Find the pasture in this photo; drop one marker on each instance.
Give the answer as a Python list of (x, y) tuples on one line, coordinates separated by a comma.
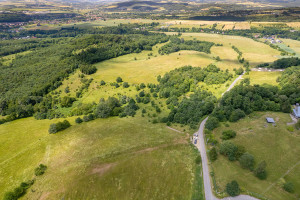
[(125, 157), (273, 144), (262, 77), (254, 52)]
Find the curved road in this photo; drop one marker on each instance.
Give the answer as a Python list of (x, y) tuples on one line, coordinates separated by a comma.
[(206, 176)]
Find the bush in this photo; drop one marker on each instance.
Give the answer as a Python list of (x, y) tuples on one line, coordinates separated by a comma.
[(19, 191), (236, 115), (88, 69), (119, 80), (102, 82), (40, 170), (142, 85), (125, 85), (233, 189), (289, 187), (54, 128), (239, 71), (247, 161), (229, 149), (86, 118), (198, 160), (67, 101), (260, 171), (290, 128), (226, 135), (142, 94), (213, 155), (212, 123), (78, 120)]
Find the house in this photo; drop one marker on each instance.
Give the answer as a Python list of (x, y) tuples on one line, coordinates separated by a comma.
[(296, 111), (270, 120)]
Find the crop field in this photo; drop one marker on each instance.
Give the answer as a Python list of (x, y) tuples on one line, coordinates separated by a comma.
[(94, 152), (274, 144), (254, 52)]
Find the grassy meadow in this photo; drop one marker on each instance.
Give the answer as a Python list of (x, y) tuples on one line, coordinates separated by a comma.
[(125, 157), (274, 144), (262, 77), (254, 52)]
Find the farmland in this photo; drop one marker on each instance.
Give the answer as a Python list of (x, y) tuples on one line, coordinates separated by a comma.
[(101, 151), (108, 96), (274, 144)]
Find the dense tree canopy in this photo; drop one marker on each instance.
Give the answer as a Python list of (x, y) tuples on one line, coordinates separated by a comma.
[(177, 44)]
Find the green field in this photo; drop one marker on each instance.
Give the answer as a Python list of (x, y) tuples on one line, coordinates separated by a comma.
[(261, 77), (274, 144), (254, 52), (128, 158)]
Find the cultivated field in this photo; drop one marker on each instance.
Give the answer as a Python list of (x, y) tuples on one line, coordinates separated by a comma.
[(274, 144)]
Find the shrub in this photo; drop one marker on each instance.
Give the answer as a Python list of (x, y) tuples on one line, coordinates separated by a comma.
[(240, 151), (19, 191), (260, 171), (239, 71), (103, 110), (233, 188), (213, 155), (102, 82), (236, 115), (142, 94), (125, 85), (59, 126), (226, 135), (88, 69), (247, 161), (119, 80), (229, 149), (212, 123), (40, 170), (290, 128), (78, 120), (142, 85), (67, 101), (52, 129), (86, 118), (198, 160), (289, 187)]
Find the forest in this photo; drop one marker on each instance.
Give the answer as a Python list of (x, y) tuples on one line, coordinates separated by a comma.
[(27, 79), (177, 44), (282, 63)]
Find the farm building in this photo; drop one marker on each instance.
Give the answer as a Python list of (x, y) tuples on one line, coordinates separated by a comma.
[(270, 120), (296, 111)]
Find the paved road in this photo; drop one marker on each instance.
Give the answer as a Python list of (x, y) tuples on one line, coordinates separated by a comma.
[(206, 176), (234, 82)]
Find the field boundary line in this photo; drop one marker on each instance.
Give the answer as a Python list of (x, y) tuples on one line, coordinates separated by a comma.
[(286, 173)]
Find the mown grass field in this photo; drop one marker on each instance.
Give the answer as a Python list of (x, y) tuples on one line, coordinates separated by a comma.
[(260, 77), (254, 52), (274, 144), (128, 158)]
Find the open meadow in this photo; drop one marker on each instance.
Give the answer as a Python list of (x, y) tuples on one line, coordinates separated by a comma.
[(125, 157), (254, 52), (262, 77), (274, 144)]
